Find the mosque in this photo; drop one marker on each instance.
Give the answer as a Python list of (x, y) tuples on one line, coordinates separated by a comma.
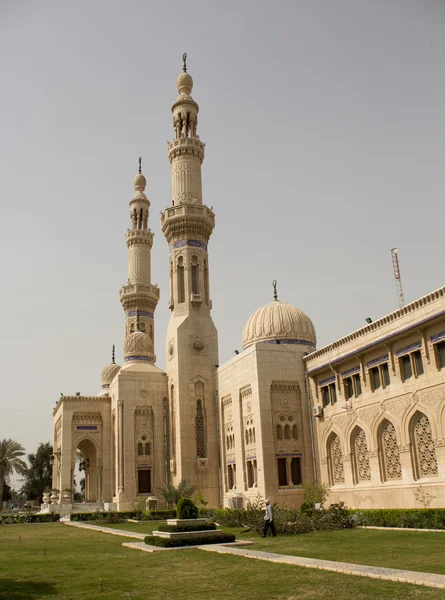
[(364, 415)]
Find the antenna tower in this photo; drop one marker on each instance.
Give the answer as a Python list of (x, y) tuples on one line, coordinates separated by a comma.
[(397, 277)]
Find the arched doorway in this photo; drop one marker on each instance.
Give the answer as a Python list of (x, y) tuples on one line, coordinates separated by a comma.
[(88, 467)]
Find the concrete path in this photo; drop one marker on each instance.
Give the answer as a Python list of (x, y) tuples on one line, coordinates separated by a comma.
[(401, 529), (399, 575)]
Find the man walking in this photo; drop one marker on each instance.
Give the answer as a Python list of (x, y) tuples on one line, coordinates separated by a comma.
[(268, 520)]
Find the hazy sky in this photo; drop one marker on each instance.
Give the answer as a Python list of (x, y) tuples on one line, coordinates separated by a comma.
[(325, 132)]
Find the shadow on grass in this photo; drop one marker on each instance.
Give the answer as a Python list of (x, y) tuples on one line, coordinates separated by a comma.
[(25, 590)]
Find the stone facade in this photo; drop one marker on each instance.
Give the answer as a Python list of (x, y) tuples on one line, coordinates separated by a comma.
[(365, 415)]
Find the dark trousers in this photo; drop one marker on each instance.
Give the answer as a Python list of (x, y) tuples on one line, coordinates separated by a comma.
[(268, 524)]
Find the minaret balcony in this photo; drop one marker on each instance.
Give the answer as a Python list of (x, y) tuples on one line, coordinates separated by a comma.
[(186, 146), (194, 221)]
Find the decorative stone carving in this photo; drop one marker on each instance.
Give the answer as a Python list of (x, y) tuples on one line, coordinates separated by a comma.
[(369, 414), (425, 449), (143, 394), (434, 397), (198, 344), (398, 406), (285, 402), (390, 452), (338, 474), (363, 469)]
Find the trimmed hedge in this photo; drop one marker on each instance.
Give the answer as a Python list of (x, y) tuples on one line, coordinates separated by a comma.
[(186, 509), (410, 518), (159, 515), (31, 518), (216, 538), (187, 527)]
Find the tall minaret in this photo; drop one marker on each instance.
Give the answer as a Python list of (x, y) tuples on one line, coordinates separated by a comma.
[(192, 342), (139, 295)]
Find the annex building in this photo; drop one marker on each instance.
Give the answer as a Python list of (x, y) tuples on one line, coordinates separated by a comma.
[(365, 414)]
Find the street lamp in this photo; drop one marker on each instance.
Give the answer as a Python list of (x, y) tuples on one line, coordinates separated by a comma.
[(53, 457)]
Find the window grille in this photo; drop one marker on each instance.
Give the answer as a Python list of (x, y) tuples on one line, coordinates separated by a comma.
[(385, 374), (206, 282), (230, 477), (358, 385), (375, 378), (405, 367), (418, 364), (194, 278), (200, 446), (147, 449), (362, 467), (181, 280), (140, 452), (294, 432), (282, 472), (296, 471), (250, 479), (390, 452), (440, 349), (426, 461), (333, 391), (336, 459), (287, 434), (279, 432)]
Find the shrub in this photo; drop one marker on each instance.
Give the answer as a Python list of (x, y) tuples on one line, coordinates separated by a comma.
[(422, 518), (216, 538), (187, 527), (229, 517), (29, 518), (186, 509), (104, 517)]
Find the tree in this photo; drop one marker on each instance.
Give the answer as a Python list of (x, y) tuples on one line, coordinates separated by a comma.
[(10, 461), (172, 494), (38, 477)]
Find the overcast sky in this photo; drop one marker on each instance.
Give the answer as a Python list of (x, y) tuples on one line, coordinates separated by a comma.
[(325, 132)]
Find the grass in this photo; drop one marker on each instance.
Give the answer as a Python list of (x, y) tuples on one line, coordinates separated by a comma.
[(415, 551), (76, 559)]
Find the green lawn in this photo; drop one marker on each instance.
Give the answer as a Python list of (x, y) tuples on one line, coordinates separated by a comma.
[(76, 559), (411, 550)]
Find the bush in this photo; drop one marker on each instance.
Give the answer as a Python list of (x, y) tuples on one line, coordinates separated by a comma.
[(229, 517), (30, 518), (186, 509), (422, 518), (216, 538), (104, 517), (158, 515), (187, 527)]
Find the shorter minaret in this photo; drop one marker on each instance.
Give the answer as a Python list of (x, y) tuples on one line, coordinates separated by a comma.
[(139, 296)]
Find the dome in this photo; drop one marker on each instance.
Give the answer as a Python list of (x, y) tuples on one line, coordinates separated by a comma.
[(139, 182), (184, 84), (279, 321), (138, 346), (108, 374)]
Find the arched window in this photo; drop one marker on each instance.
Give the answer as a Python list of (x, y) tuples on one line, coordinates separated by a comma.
[(294, 432), (389, 452), (254, 439), (206, 283), (181, 280), (250, 437), (142, 326), (132, 326), (140, 449), (279, 432), (425, 460), (335, 457), (171, 281), (361, 456), (200, 445), (147, 449), (195, 286), (287, 434), (246, 436)]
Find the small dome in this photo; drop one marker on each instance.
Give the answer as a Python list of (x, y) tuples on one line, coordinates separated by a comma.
[(279, 321), (139, 182), (138, 346), (184, 84), (108, 374)]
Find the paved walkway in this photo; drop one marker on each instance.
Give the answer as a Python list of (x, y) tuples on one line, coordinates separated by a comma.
[(414, 577)]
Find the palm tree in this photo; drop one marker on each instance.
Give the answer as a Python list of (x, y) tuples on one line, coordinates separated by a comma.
[(10, 452), (172, 494)]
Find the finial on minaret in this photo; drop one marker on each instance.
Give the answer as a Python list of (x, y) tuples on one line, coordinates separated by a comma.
[(112, 356), (184, 62), (140, 165), (274, 283), (137, 321)]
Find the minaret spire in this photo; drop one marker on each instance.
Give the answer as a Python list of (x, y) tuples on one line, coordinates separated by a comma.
[(139, 297), (275, 295), (113, 356), (184, 62)]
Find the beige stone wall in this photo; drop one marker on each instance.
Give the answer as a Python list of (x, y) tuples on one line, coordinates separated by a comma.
[(391, 438), (256, 389)]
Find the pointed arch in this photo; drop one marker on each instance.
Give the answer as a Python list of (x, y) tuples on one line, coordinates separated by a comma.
[(195, 275), (180, 279)]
